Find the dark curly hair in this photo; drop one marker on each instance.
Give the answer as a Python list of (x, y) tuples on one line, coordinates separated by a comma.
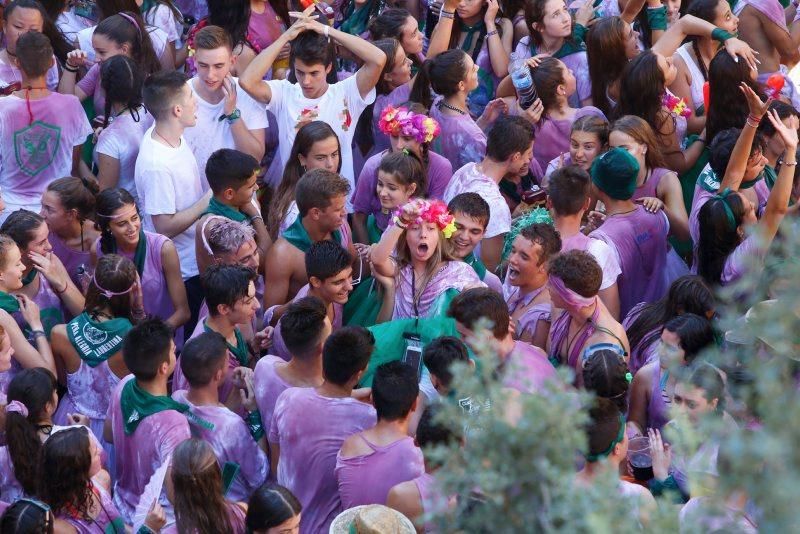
[(579, 270), (65, 483), (605, 373)]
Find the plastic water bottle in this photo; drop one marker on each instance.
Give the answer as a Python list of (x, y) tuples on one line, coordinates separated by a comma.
[(522, 80)]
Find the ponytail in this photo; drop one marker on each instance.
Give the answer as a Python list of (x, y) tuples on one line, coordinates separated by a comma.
[(76, 194), (442, 74)]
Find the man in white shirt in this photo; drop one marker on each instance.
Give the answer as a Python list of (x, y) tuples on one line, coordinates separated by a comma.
[(312, 97), (226, 116), (509, 148), (171, 193)]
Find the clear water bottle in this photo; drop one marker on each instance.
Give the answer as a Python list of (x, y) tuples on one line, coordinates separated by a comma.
[(522, 80)]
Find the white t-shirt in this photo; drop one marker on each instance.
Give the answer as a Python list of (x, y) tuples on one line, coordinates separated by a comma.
[(468, 179), (121, 140), (607, 259), (157, 36), (167, 181), (10, 73), (164, 19), (70, 24), (210, 133), (340, 107)]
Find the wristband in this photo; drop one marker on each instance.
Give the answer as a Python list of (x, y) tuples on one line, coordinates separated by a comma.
[(66, 285), (789, 164), (250, 220), (753, 118), (69, 68), (720, 35), (399, 222), (37, 333), (493, 32), (327, 32), (144, 529), (447, 14), (253, 420), (657, 18)]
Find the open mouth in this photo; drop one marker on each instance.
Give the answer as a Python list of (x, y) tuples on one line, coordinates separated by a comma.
[(422, 249), (513, 273)]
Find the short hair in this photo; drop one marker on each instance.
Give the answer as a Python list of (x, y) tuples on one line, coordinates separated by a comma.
[(225, 284), (579, 270), (603, 426), (695, 333), (226, 236), (161, 89), (327, 258), (311, 48), (394, 389), (21, 225), (783, 110), (35, 54), (568, 188), (440, 354), (203, 356), (302, 325), (721, 149), (472, 205), (227, 167), (211, 38), (317, 188), (469, 306), (146, 346), (345, 353), (509, 135), (546, 236)]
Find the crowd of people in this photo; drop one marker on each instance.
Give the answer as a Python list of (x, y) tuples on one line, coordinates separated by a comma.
[(243, 243)]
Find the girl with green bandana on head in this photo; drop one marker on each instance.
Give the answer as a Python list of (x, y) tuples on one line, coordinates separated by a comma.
[(53, 291), (24, 354), (89, 348)]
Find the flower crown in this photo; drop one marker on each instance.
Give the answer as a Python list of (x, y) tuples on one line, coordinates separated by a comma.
[(401, 121), (434, 212)]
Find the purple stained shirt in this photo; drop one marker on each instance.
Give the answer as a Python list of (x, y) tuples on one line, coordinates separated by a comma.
[(744, 255), (367, 479), (138, 456), (236, 516), (51, 310), (461, 140), (102, 522), (657, 408), (650, 187), (232, 442), (454, 275), (72, 259), (268, 387), (552, 135), (646, 350), (40, 136), (469, 179), (10, 489), (527, 368), (640, 241), (91, 87), (527, 322), (578, 63), (310, 430), (396, 98), (366, 200), (278, 346)]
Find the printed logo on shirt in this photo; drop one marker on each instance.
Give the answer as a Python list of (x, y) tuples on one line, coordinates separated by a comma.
[(35, 146), (345, 116), (306, 116)]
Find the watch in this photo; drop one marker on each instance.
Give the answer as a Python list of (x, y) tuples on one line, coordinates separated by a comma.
[(233, 117)]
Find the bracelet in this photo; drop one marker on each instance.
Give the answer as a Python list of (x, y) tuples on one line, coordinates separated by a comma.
[(753, 118), (721, 35), (37, 333), (701, 140), (144, 529), (447, 14), (751, 124), (493, 32), (69, 68), (253, 218), (327, 32), (399, 222), (66, 285), (789, 164)]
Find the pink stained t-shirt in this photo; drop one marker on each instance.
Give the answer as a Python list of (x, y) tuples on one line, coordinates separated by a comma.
[(527, 368), (310, 430), (38, 141)]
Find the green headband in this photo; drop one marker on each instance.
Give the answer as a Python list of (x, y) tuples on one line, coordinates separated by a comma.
[(723, 196), (620, 436)]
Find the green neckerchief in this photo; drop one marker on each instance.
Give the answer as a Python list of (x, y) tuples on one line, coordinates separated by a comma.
[(475, 262), (241, 350), (708, 181), (137, 404), (770, 176), (216, 207), (297, 235), (141, 251), (471, 32), (356, 19), (8, 302), (28, 278), (570, 46), (96, 341), (373, 232)]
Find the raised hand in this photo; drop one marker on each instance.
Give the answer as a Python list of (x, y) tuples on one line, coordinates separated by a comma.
[(739, 49), (660, 453), (229, 88), (492, 7), (756, 107), (651, 204), (788, 135)]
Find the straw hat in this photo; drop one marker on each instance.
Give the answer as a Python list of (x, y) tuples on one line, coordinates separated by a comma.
[(371, 519)]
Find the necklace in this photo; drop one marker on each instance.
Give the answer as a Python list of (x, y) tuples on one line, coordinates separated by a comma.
[(452, 108), (164, 138), (28, 100), (621, 212)]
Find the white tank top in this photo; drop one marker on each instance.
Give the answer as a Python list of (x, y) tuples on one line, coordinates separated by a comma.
[(697, 76)]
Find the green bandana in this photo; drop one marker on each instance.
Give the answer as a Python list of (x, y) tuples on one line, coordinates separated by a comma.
[(8, 302), (475, 262), (241, 351), (356, 18), (140, 254), (28, 278), (297, 235), (470, 32), (216, 207), (770, 176), (567, 49), (95, 341), (373, 232), (137, 404), (708, 180)]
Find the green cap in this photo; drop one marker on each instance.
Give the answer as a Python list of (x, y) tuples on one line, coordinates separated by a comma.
[(615, 173)]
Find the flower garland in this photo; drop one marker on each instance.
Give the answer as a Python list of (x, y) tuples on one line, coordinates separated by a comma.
[(675, 105), (433, 212), (400, 121)]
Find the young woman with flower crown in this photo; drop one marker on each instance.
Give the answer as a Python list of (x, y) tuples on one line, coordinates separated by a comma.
[(407, 131), (427, 276)]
